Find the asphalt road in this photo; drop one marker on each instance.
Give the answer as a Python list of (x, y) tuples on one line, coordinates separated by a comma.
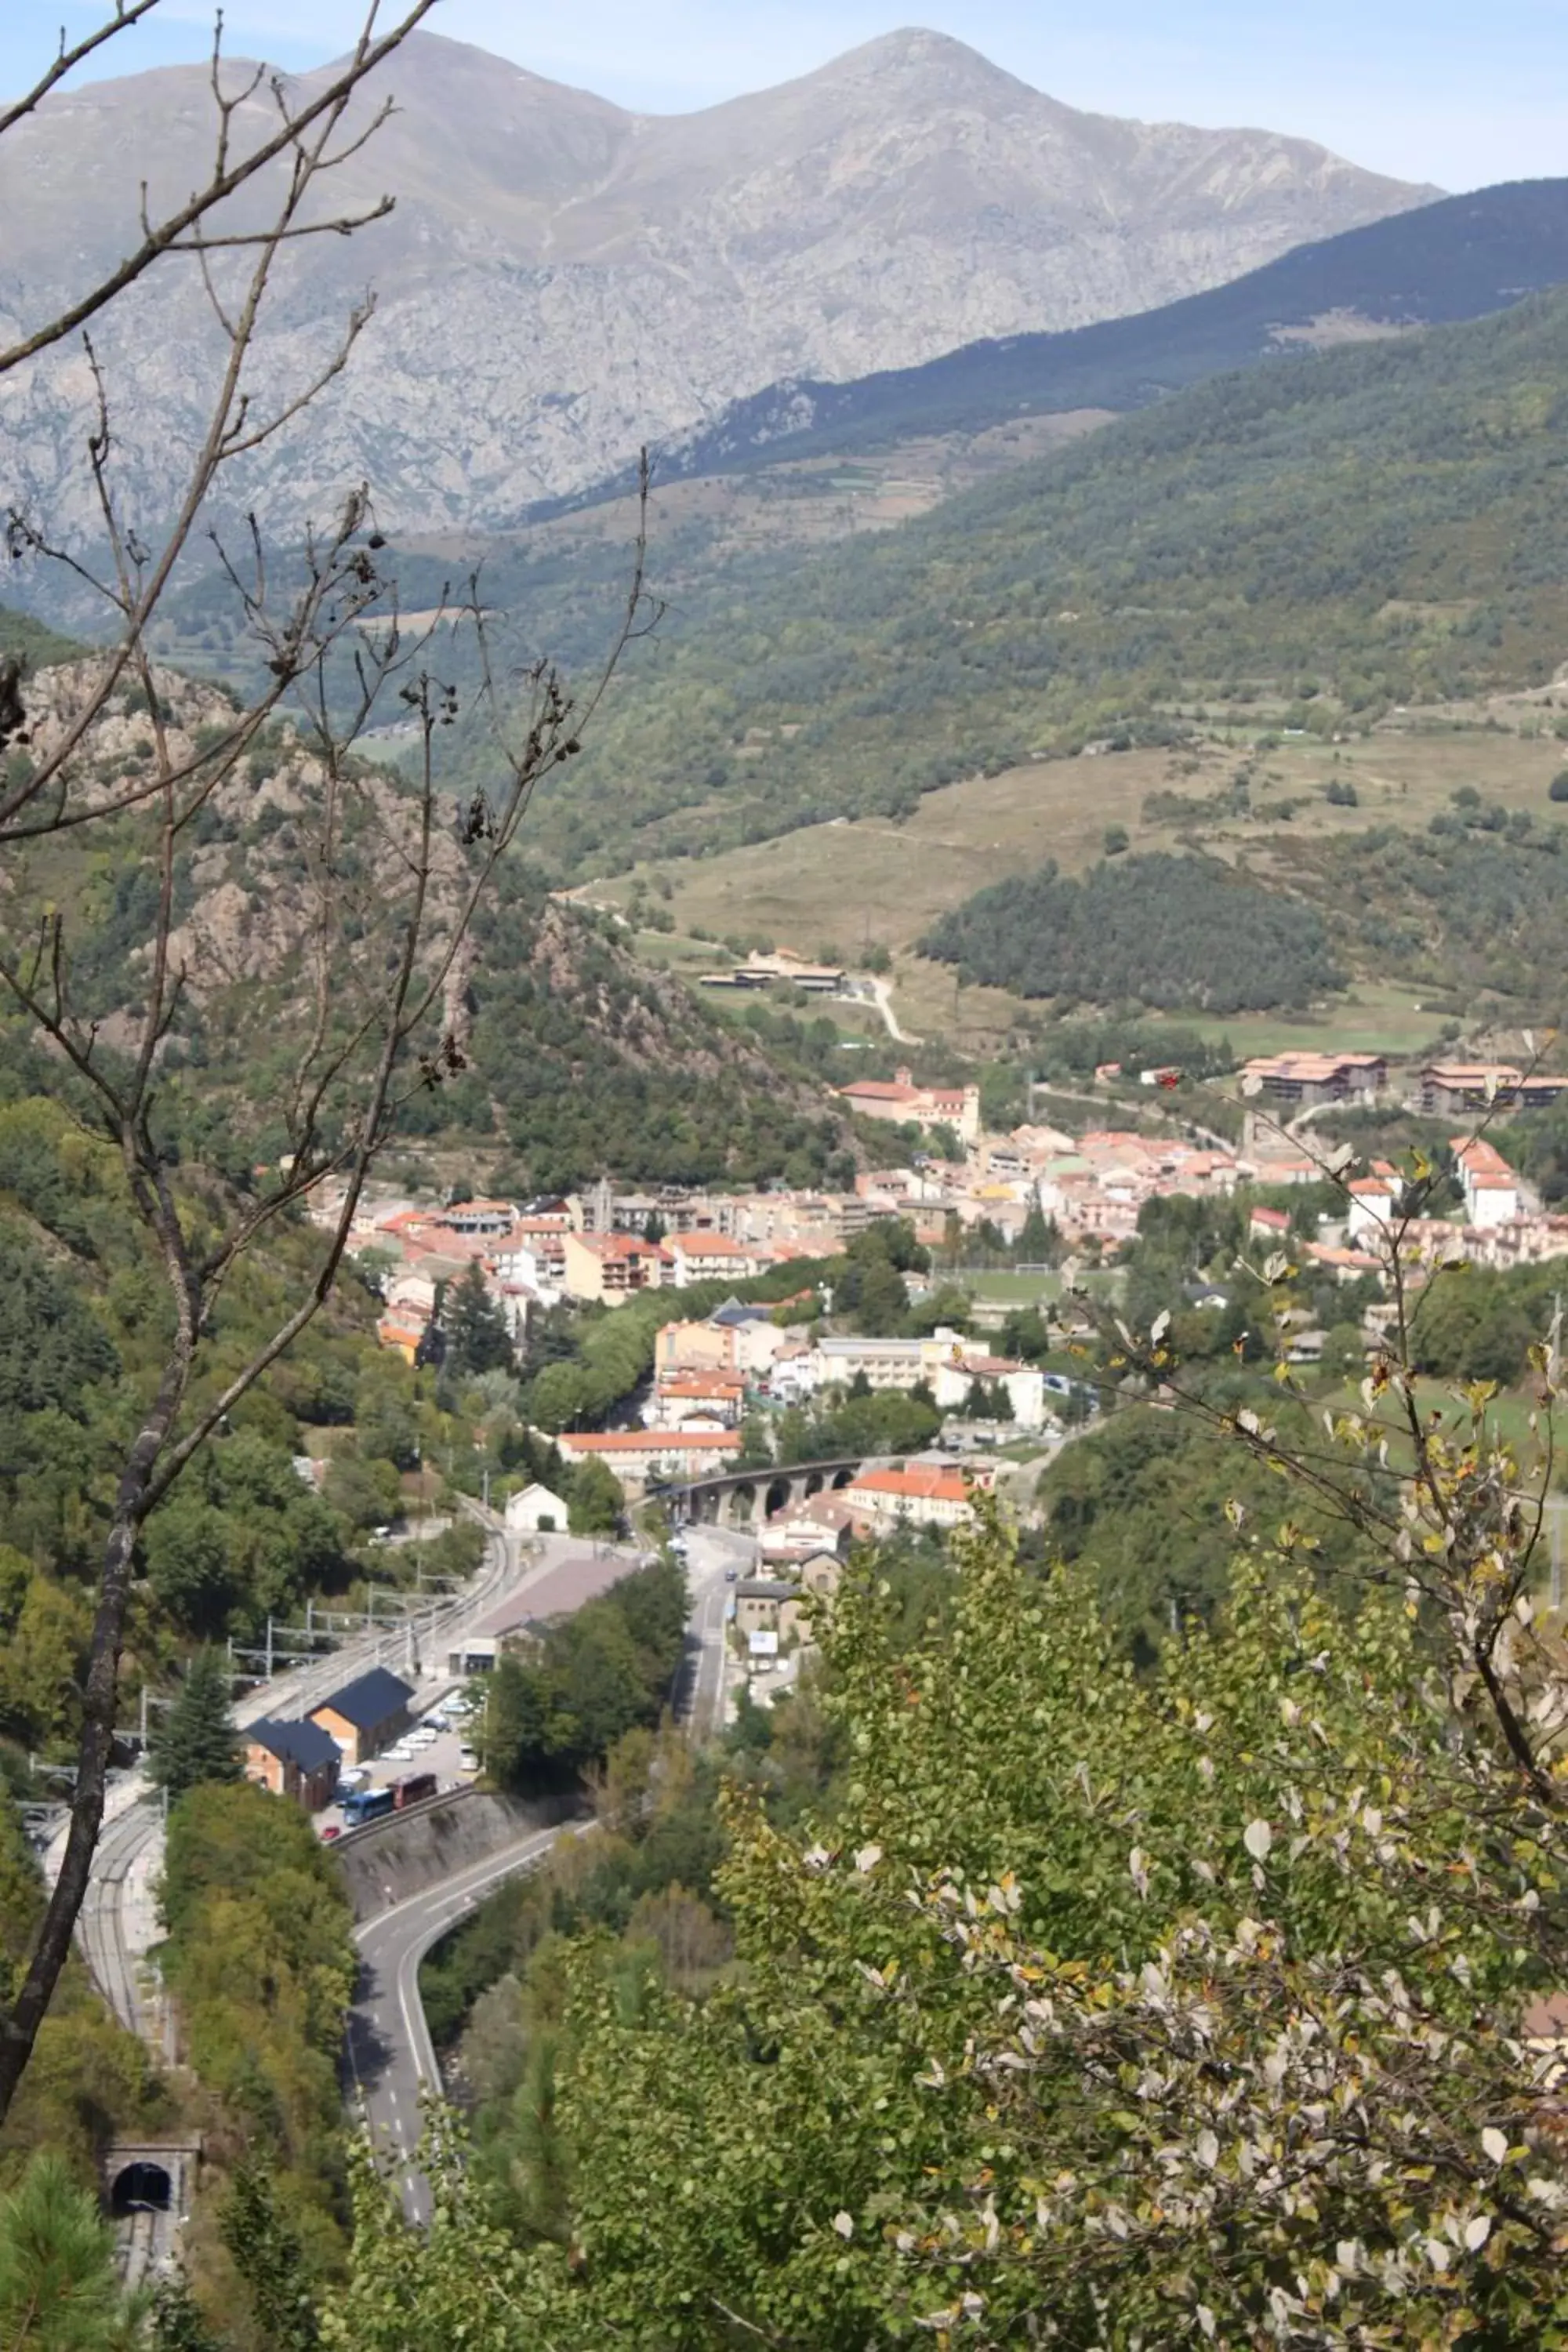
[(704, 1701), (118, 1924), (391, 2057)]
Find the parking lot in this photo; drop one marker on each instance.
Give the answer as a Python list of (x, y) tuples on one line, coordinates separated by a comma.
[(440, 1754)]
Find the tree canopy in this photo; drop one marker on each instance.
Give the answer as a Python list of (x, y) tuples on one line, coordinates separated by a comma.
[(1159, 2009)]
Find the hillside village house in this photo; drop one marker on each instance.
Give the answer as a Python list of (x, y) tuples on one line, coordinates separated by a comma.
[(947, 1363), (693, 1348), (608, 1268), (782, 969), (1486, 1086), (736, 1340), (924, 1496), (902, 1101), (534, 1510), (769, 1606), (882, 1363), (486, 1218), (1490, 1186), (293, 1759), (1522, 1240), (1347, 1264), (1299, 1080), (653, 1458), (367, 1714), (679, 1399), (1371, 1205), (1024, 1385), (713, 1257), (823, 1526)]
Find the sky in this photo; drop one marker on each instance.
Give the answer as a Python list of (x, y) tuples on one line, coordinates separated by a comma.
[(1438, 91)]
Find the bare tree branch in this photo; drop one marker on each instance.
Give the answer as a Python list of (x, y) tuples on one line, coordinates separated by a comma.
[(394, 885), (159, 239), (127, 13)]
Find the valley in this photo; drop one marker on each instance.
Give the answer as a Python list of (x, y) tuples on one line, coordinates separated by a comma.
[(853, 1183)]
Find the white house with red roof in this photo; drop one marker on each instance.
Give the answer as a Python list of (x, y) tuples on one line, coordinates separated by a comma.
[(644, 1457), (1491, 1186), (713, 1257), (925, 1497)]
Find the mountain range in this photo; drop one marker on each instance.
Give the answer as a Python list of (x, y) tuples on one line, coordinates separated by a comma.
[(1462, 258), (563, 280)]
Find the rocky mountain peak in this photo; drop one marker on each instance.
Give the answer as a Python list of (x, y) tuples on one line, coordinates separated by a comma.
[(563, 280)]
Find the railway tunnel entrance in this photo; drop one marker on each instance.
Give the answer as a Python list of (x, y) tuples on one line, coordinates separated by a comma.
[(140, 2187)]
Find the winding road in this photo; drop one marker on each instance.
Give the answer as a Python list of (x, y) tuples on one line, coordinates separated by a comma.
[(392, 2059)]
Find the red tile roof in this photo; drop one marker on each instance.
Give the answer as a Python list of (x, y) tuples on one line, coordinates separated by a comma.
[(644, 1441), (910, 1485)]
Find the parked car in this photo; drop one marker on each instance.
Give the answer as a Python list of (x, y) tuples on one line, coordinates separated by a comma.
[(468, 1757), (401, 1753), (329, 1831)]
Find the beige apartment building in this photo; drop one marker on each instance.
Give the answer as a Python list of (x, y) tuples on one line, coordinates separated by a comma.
[(608, 1268)]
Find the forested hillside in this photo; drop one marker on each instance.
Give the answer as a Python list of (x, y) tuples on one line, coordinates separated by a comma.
[(576, 1060), (1183, 934), (1375, 524), (1474, 905), (82, 1332)]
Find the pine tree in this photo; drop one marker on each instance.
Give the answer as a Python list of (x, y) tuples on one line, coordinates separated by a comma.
[(1040, 1243), (59, 2286), (477, 1337), (196, 1739), (177, 2322)]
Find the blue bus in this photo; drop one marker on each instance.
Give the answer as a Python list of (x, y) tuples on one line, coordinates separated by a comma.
[(362, 1805)]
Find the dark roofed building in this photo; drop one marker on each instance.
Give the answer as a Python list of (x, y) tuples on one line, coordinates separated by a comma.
[(293, 1759), (367, 1714)]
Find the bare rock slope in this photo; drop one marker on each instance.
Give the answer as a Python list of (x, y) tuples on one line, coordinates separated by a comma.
[(562, 280)]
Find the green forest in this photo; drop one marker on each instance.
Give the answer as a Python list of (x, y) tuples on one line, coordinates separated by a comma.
[(1181, 934), (1476, 904), (1012, 1969)]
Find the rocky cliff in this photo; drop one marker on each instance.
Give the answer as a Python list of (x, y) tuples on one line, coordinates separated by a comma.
[(562, 280)]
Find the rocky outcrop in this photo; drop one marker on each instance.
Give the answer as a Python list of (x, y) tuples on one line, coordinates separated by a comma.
[(563, 282)]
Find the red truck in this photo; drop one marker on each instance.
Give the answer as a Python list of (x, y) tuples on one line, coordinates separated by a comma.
[(411, 1790)]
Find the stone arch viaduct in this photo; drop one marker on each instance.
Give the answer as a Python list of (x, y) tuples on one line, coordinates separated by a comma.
[(748, 1498)]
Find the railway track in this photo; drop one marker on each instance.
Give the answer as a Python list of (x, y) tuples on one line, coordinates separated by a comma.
[(147, 2234)]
